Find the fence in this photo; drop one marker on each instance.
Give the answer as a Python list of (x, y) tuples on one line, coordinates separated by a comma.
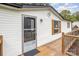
[(68, 39)]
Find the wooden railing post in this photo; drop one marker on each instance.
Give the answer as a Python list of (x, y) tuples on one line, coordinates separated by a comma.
[(1, 45), (62, 42)]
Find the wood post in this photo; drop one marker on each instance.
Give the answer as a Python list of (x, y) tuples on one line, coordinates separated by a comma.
[(52, 26), (62, 42), (1, 45)]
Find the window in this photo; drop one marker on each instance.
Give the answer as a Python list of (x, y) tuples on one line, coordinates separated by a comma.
[(68, 25), (56, 26)]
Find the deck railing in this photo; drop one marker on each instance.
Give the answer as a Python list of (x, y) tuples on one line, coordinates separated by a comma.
[(74, 32), (68, 39)]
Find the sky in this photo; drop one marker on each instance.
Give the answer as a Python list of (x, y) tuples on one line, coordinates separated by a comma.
[(73, 7)]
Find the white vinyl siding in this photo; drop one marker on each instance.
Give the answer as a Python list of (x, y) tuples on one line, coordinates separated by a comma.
[(43, 28), (65, 27), (10, 28)]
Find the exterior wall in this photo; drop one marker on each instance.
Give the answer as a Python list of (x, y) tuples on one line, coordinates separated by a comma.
[(64, 27), (10, 28), (75, 23), (44, 29)]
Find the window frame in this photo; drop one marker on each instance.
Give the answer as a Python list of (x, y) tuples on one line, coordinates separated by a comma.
[(30, 30), (53, 28)]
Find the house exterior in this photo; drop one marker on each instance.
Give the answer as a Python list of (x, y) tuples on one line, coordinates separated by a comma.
[(66, 26), (25, 28)]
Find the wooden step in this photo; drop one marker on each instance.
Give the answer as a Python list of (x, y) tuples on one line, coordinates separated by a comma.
[(70, 54)]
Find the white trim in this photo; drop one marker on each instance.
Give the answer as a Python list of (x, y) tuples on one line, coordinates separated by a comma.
[(8, 7), (33, 9)]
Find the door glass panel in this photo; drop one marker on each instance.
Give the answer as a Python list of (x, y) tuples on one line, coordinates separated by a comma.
[(29, 23), (32, 24), (29, 35)]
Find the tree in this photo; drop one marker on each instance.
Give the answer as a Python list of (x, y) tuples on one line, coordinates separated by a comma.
[(70, 17), (73, 18), (77, 15), (66, 14)]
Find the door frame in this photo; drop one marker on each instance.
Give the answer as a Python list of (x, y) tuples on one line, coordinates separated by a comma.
[(24, 15)]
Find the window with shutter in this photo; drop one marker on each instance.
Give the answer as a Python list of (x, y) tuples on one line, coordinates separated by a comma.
[(56, 26)]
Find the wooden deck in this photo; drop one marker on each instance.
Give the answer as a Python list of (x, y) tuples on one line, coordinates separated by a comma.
[(59, 47), (62, 45), (51, 49)]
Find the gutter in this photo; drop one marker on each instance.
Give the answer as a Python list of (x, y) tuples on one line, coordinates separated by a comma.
[(33, 8), (8, 7)]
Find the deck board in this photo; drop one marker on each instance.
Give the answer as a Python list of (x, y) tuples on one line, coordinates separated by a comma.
[(51, 49)]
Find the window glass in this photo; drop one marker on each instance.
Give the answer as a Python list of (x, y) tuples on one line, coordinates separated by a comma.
[(57, 27), (55, 30), (68, 25), (55, 24)]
